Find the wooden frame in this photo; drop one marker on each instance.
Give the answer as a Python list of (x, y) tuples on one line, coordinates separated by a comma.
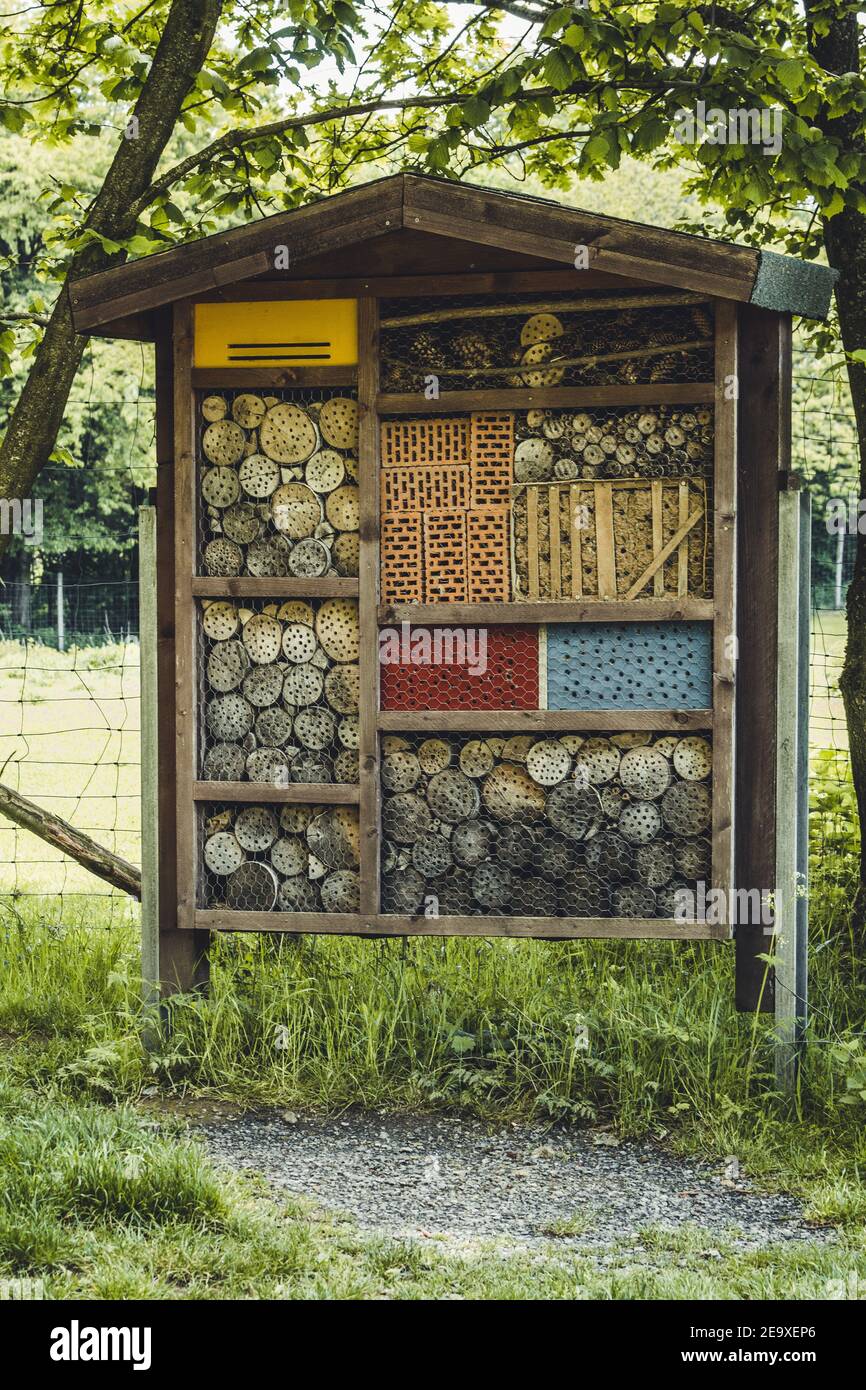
[(191, 791)]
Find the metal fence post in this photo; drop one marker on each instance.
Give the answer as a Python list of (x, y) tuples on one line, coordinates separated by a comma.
[(149, 757)]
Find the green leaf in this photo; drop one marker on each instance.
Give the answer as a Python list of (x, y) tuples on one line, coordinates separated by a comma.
[(557, 69), (790, 74)]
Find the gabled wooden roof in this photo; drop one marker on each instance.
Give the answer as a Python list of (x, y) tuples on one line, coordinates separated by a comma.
[(513, 222)]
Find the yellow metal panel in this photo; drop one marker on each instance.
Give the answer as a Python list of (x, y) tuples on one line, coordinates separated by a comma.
[(274, 333)]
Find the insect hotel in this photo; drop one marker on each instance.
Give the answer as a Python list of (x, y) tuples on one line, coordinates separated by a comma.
[(477, 582)]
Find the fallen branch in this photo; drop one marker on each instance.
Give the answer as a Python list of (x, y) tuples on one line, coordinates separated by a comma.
[(59, 833)]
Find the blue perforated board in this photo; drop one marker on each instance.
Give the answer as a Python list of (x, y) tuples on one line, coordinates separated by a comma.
[(629, 666)]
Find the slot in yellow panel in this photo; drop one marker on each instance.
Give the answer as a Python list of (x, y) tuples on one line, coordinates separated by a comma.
[(277, 333)]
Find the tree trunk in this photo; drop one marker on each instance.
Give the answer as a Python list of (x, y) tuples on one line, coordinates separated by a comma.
[(837, 51), (36, 419)]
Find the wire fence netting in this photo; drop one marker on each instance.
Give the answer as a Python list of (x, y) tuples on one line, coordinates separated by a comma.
[(69, 690)]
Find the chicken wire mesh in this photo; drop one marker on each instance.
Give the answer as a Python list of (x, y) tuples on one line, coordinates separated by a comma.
[(629, 666), (278, 483), (608, 825), (278, 691), (458, 668), (278, 858), (479, 341)]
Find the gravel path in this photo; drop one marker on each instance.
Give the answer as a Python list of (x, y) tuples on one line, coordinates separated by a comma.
[(421, 1176)]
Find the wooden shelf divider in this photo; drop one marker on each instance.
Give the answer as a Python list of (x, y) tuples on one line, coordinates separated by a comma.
[(650, 610), (246, 586), (542, 720), (303, 793)]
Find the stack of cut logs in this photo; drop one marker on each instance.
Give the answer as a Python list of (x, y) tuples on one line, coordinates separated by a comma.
[(290, 858)]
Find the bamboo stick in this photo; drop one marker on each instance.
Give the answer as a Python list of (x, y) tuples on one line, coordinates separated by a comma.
[(552, 363), (552, 306)]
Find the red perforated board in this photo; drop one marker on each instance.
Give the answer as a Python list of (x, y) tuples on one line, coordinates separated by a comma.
[(509, 680)]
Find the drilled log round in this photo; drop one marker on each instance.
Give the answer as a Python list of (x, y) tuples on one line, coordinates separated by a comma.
[(534, 897), (554, 427), (297, 894), (348, 732), (346, 767), (405, 817), (645, 773), (403, 893), (224, 762), (325, 470), (227, 664), (453, 893), (540, 328), (252, 888), (343, 688), (256, 828), (303, 684), (613, 798), (259, 476), (309, 559), (431, 854), (452, 796), (222, 853), (299, 643), (610, 856), (670, 900), (540, 375), (315, 728), (223, 443), (346, 552), (693, 758), (574, 810), (273, 726), (654, 863), (492, 886), (248, 410), (470, 843), (214, 408), (262, 637), (401, 772), (220, 620), (557, 855), (639, 822), (268, 559), (434, 754), (229, 717), (599, 760), (338, 421), (476, 758), (222, 557), (268, 765), (666, 745), (334, 838), (687, 808), (242, 523), (582, 894), (533, 460), (220, 487), (514, 845), (692, 858), (634, 900), (263, 686), (310, 767), (337, 628), (295, 819), (295, 510), (342, 508), (515, 749), (341, 892), (287, 434), (548, 762), (511, 795), (289, 856), (566, 468)]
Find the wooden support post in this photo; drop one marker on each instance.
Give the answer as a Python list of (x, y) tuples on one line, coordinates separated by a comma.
[(805, 670), (148, 701), (368, 601), (788, 772)]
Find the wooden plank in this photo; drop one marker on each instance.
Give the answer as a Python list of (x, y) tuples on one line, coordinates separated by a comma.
[(532, 542), (399, 721), (576, 539), (580, 304), (783, 945), (303, 793), (658, 534), (185, 615), (368, 569), (683, 555), (149, 693), (588, 610), (549, 928), (724, 593), (763, 374), (155, 295), (417, 286), (234, 378), (555, 397), (245, 586), (662, 555), (605, 552), (555, 561)]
